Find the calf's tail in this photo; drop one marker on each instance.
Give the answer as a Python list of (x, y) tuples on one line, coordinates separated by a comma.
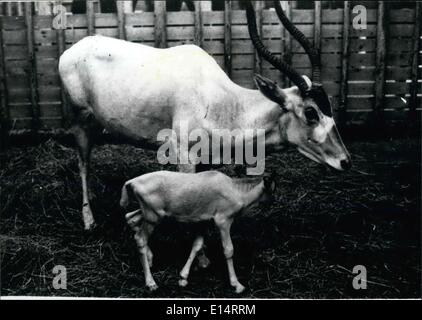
[(124, 199)]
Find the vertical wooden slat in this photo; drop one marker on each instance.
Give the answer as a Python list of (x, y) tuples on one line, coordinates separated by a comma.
[(160, 24), (19, 8), (33, 67), (90, 15), (198, 38), (228, 37), (287, 43), (9, 8), (61, 44), (121, 19), (417, 33), (317, 24), (4, 103), (344, 63), (380, 61), (258, 12)]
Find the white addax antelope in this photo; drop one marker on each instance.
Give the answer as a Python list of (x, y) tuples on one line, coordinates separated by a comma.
[(134, 91), (191, 197)]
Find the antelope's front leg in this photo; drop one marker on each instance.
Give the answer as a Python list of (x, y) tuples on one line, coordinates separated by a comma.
[(196, 247), (141, 238), (224, 223)]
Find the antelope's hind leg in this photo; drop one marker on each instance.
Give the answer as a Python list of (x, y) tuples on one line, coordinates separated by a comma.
[(84, 144)]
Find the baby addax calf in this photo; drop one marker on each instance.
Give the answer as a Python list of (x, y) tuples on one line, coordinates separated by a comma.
[(190, 197)]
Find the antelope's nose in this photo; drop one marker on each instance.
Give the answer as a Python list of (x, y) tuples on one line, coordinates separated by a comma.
[(345, 164)]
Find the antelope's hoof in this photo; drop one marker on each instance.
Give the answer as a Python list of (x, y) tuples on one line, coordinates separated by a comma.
[(203, 262), (90, 225), (89, 222), (183, 282)]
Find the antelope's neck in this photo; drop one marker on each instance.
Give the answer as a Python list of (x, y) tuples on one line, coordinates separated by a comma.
[(258, 112)]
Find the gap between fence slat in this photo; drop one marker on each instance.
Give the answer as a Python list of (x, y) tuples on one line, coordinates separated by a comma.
[(344, 63), (160, 24), (121, 19), (61, 44), (415, 62), (287, 43), (4, 111), (257, 59), (90, 15), (228, 38), (33, 67), (380, 62), (317, 25), (198, 37)]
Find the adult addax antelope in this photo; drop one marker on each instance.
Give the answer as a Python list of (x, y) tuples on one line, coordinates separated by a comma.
[(134, 91)]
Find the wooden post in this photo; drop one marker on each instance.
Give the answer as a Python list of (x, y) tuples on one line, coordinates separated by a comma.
[(344, 62), (415, 57), (228, 37), (380, 62), (258, 11), (4, 103), (287, 43), (33, 66), (121, 19), (160, 24), (317, 25), (198, 39), (90, 15)]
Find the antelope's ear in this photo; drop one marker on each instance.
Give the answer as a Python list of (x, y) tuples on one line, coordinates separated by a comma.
[(270, 89)]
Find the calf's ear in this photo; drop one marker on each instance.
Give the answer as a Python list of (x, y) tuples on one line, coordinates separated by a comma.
[(269, 184)]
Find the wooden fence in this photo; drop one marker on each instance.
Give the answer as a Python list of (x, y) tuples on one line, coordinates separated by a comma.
[(376, 70)]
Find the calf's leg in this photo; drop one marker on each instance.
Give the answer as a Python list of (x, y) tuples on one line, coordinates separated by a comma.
[(203, 261), (196, 247), (224, 223), (141, 238), (134, 219)]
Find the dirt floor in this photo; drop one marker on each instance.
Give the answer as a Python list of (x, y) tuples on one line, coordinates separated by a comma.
[(305, 245)]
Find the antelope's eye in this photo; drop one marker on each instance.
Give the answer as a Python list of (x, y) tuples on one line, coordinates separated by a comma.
[(311, 115)]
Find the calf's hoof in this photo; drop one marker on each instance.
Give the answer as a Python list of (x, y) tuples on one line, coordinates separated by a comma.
[(152, 287), (239, 288), (203, 262), (183, 282)]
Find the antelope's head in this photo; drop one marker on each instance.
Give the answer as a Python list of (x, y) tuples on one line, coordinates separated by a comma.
[(307, 120)]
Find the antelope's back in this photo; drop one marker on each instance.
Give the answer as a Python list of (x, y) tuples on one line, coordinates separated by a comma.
[(135, 89)]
